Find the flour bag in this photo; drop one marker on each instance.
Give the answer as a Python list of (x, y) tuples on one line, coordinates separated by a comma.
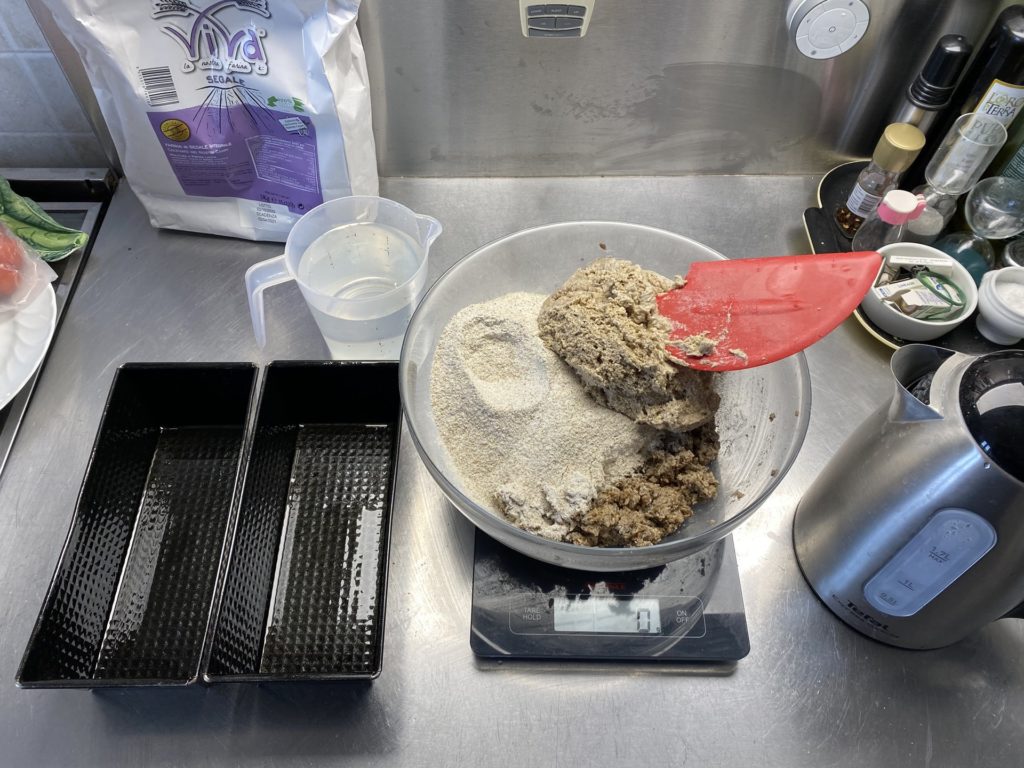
[(232, 117)]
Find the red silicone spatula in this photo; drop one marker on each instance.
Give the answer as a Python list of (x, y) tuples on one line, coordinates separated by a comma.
[(758, 311)]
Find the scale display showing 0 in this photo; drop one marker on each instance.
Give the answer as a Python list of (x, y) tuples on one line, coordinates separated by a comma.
[(607, 614)]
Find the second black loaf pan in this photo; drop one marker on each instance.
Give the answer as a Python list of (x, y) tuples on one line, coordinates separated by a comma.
[(304, 594)]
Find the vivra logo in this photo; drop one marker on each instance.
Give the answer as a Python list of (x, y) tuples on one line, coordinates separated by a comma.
[(209, 42)]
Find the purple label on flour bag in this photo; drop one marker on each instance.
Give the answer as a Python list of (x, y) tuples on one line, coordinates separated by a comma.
[(244, 150), (245, 98)]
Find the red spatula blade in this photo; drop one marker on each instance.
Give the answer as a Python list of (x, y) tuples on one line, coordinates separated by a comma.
[(758, 311)]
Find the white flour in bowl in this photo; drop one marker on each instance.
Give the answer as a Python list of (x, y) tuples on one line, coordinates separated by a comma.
[(527, 440)]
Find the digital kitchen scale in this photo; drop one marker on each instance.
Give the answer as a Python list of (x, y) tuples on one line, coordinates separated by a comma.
[(687, 611)]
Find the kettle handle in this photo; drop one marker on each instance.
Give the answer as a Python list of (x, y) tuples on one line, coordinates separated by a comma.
[(1015, 613)]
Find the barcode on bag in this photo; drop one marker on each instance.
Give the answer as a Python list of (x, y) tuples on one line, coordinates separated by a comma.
[(159, 86)]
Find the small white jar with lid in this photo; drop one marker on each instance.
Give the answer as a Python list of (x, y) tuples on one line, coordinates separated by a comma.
[(1001, 305)]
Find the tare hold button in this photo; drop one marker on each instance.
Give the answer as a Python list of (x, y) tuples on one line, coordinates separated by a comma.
[(529, 619)]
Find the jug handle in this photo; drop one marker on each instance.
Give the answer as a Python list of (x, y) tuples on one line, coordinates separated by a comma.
[(258, 278)]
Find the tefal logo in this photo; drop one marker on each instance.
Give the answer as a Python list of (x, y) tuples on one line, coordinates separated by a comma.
[(864, 616)]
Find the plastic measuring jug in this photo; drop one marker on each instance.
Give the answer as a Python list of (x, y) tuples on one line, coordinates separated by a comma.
[(361, 264)]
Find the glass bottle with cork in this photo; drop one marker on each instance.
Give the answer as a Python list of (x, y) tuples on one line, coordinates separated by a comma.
[(895, 152)]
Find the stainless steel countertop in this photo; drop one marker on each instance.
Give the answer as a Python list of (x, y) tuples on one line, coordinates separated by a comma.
[(811, 693)]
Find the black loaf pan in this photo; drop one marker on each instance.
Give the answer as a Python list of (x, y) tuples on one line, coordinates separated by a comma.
[(164, 580), (130, 601), (305, 587)]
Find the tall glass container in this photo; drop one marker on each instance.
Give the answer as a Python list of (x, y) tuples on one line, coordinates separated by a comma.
[(965, 152), (959, 162)]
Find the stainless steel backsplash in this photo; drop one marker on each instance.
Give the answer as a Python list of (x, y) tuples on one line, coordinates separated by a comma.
[(656, 87)]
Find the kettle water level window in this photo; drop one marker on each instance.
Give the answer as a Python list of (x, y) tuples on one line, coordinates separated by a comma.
[(942, 551)]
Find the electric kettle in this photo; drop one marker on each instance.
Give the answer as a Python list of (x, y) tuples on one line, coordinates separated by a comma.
[(914, 532)]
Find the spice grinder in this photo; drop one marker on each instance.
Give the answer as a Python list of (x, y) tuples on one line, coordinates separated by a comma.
[(914, 532)]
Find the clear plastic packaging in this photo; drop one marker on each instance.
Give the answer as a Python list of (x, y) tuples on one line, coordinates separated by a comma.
[(23, 275)]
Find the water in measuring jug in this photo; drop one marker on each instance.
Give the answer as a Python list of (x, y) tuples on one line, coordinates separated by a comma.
[(360, 265)]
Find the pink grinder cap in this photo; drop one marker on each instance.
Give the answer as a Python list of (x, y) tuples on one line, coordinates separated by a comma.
[(899, 207)]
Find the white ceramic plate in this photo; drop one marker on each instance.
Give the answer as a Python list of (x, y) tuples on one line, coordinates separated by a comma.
[(24, 339)]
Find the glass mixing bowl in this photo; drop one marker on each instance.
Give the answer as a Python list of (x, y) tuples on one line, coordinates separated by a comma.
[(761, 422)]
